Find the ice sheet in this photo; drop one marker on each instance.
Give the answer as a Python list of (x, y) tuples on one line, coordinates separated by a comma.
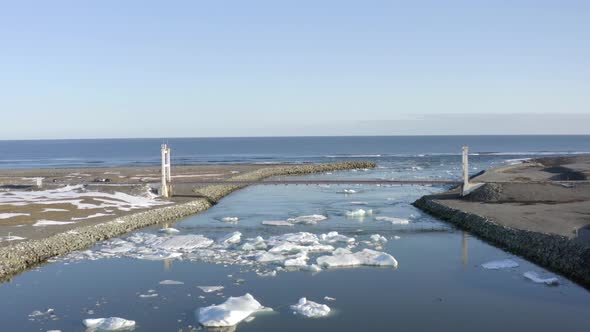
[(365, 257), (536, 278)]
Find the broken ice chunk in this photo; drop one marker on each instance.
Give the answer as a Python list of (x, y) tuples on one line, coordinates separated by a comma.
[(393, 220), (365, 257), (276, 223), (378, 238), (229, 239), (268, 257), (210, 289), (230, 219), (310, 309), (169, 230), (536, 278), (183, 242), (298, 261), (109, 324), (500, 264), (332, 237), (230, 312), (254, 244), (358, 213), (307, 220)]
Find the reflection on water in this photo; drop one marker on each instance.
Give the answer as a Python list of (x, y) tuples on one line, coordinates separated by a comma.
[(464, 248)]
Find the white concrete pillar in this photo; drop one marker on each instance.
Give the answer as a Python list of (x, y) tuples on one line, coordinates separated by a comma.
[(164, 188), (465, 170)]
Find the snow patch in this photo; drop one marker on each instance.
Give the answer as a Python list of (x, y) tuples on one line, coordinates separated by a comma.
[(12, 215), (44, 222)]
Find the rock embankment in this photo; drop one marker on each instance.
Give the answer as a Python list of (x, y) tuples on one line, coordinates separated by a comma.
[(18, 257)]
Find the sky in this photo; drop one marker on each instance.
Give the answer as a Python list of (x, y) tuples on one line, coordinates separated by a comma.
[(111, 68)]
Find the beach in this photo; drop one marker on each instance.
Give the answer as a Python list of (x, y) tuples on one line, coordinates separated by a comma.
[(539, 209), (78, 208)]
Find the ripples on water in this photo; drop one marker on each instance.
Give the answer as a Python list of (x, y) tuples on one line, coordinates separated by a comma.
[(438, 285)]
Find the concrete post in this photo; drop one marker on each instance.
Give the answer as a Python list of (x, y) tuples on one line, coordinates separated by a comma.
[(166, 190), (465, 170)]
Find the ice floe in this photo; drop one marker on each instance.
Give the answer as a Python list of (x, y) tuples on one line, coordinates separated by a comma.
[(308, 220), (277, 223), (536, 278), (229, 239), (229, 313), (349, 191), (230, 219), (378, 238), (169, 230), (12, 215), (44, 222), (359, 203), (109, 324), (333, 237), (210, 289), (364, 257), (187, 242), (500, 264), (171, 282), (328, 298), (310, 309), (359, 213), (393, 220)]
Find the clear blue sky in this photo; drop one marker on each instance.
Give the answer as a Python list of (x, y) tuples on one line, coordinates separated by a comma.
[(77, 69)]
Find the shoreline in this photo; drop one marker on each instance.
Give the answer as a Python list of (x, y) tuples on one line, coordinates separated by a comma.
[(546, 223), (21, 256)]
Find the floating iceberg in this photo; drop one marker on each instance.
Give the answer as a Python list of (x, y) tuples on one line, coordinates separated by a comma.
[(365, 257), (109, 324), (536, 278), (349, 191), (257, 243), (310, 309), (230, 312), (393, 220), (210, 289), (500, 264)]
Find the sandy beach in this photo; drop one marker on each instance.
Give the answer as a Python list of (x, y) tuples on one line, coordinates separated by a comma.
[(539, 209)]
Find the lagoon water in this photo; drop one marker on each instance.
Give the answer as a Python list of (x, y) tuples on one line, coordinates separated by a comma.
[(439, 283)]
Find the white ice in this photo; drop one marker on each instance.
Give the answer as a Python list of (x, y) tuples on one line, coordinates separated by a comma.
[(358, 213), (12, 238), (365, 257), (359, 203), (393, 220), (307, 220), (276, 223), (310, 309), (500, 264), (229, 313), (183, 242), (229, 239), (109, 324), (169, 230), (378, 238), (210, 289), (230, 219), (96, 215), (54, 210), (349, 191), (171, 282), (333, 237), (536, 278)]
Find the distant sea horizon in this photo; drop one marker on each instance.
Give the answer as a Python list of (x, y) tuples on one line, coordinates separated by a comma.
[(86, 152)]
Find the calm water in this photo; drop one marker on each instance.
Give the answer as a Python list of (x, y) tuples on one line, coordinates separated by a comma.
[(100, 152), (439, 284)]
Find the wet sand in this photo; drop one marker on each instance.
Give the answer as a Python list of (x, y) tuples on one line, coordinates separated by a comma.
[(539, 209)]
